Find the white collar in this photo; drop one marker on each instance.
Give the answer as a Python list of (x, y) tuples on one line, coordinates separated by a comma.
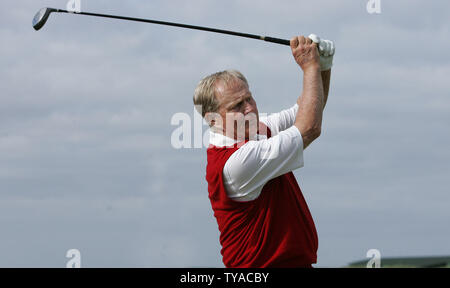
[(220, 140)]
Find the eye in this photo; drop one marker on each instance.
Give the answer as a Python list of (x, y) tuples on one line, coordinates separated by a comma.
[(238, 106)]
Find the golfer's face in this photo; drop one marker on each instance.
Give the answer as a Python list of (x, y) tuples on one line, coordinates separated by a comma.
[(238, 110)]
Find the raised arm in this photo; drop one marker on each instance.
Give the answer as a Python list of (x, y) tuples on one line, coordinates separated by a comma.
[(311, 102), (284, 119), (326, 75)]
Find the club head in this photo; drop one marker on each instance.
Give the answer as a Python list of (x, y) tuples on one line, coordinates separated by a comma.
[(41, 17)]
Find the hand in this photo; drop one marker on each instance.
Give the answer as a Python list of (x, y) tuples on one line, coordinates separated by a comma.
[(326, 51), (305, 52)]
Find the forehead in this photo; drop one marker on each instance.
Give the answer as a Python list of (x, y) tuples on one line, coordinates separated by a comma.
[(231, 91)]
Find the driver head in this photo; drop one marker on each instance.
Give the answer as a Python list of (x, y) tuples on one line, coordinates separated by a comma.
[(41, 17)]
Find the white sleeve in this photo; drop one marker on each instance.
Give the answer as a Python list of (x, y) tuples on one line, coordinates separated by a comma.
[(281, 121), (256, 162)]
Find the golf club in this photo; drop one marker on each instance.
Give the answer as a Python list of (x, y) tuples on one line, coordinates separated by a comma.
[(41, 18)]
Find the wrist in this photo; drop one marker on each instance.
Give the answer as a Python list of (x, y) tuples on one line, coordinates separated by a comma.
[(312, 68)]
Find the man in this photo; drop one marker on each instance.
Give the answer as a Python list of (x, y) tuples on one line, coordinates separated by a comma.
[(262, 216)]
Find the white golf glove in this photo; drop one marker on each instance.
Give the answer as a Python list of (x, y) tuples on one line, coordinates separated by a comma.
[(326, 51)]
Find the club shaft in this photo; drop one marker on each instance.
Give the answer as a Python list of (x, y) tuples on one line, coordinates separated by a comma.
[(214, 30)]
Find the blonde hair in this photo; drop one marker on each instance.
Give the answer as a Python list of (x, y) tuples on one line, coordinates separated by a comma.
[(205, 94)]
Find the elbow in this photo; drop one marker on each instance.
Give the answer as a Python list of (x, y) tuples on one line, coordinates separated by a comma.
[(314, 132), (310, 135), (309, 132)]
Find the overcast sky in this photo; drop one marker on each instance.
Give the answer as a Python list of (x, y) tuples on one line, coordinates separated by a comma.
[(86, 104)]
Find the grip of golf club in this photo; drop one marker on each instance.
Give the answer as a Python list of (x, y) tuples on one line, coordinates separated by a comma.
[(278, 41)]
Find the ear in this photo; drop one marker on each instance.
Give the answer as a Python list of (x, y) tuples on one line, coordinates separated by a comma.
[(209, 118), (214, 119)]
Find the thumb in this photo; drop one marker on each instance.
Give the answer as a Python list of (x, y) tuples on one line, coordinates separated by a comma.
[(314, 38), (294, 42)]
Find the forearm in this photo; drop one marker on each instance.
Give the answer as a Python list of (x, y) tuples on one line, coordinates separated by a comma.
[(311, 104), (326, 75), (286, 118)]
